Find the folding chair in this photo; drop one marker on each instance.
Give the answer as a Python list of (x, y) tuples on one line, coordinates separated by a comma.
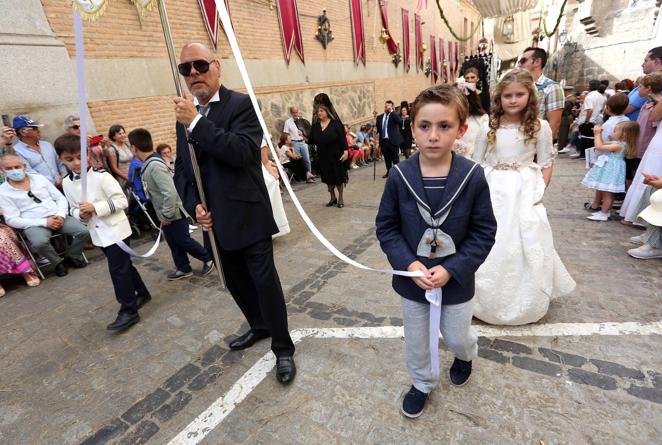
[(59, 242)]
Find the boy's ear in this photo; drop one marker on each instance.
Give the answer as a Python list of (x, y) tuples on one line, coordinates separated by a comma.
[(462, 130)]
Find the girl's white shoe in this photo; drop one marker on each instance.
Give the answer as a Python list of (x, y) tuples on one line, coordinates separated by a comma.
[(599, 216), (637, 240)]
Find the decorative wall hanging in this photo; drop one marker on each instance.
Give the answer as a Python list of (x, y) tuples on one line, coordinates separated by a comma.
[(388, 39), (453, 33), (324, 33), (428, 68), (290, 28), (450, 61), (358, 38), (90, 9), (405, 38), (422, 4), (443, 65), (419, 41), (144, 6), (433, 57), (397, 57), (210, 18), (457, 58)]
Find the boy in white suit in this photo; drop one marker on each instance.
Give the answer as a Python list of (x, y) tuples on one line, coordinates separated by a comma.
[(106, 200)]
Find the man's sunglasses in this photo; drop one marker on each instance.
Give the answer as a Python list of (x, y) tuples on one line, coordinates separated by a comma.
[(75, 127), (34, 198), (201, 66), (522, 61)]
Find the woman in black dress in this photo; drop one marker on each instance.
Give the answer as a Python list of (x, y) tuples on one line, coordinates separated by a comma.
[(406, 132), (328, 134)]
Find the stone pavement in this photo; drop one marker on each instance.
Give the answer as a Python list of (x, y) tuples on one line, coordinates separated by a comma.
[(65, 380)]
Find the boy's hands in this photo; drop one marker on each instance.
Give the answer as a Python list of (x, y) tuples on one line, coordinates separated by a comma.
[(424, 282), (87, 207), (439, 276)]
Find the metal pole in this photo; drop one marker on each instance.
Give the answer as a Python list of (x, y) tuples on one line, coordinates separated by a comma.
[(194, 160)]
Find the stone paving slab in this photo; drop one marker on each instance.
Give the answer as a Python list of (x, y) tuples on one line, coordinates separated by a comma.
[(62, 371)]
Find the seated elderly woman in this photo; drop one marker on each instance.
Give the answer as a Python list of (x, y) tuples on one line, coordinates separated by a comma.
[(14, 258)]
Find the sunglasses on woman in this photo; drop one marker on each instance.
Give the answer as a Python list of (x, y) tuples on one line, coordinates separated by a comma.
[(201, 66)]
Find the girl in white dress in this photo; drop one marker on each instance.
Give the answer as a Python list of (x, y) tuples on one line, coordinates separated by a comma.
[(477, 120), (523, 272)]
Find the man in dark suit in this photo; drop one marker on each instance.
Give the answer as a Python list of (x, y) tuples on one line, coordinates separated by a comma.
[(390, 138), (226, 136)]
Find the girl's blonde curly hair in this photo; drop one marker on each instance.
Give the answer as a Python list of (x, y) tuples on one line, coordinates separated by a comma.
[(530, 125)]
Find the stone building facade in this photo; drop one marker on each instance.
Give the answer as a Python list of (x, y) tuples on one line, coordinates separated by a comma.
[(129, 79), (604, 39)]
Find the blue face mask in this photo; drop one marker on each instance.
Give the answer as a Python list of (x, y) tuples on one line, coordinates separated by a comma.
[(15, 174)]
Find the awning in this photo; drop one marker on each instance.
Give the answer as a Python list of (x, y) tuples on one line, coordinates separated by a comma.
[(500, 8), (519, 36)]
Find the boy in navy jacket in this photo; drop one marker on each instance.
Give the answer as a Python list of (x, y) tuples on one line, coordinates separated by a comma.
[(436, 218)]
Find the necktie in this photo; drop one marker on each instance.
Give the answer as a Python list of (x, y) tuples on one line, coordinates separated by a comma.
[(385, 126), (204, 109)]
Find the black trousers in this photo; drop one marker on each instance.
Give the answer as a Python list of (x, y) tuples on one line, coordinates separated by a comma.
[(390, 153), (252, 279), (126, 280), (182, 245), (586, 138)]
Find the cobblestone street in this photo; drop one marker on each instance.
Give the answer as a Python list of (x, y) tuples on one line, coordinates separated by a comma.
[(66, 380)]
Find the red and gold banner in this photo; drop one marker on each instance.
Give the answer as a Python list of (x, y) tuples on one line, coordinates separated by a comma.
[(442, 59), (390, 43), (451, 62), (457, 58), (290, 28), (418, 36), (210, 17), (358, 38), (405, 38), (433, 58)]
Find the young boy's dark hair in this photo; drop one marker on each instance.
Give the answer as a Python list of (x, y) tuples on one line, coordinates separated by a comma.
[(444, 94), (142, 140), (67, 143), (618, 103)]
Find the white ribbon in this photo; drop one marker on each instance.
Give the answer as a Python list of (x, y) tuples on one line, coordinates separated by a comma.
[(227, 25), (434, 297), (82, 104)]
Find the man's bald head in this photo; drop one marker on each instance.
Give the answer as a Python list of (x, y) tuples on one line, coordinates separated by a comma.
[(202, 85), (197, 48)]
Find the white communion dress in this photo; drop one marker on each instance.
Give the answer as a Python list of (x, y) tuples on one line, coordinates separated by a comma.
[(523, 272)]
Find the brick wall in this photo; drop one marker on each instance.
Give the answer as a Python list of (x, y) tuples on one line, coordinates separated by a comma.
[(119, 34)]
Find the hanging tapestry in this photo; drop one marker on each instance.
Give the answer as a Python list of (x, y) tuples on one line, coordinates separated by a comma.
[(442, 59), (405, 38), (418, 37), (390, 43), (290, 28), (356, 14), (433, 58)]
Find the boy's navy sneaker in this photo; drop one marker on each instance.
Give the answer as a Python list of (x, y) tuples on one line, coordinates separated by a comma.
[(207, 268), (178, 275), (460, 372), (414, 402)]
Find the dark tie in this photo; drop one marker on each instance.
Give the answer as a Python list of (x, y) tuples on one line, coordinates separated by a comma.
[(204, 109), (385, 125)]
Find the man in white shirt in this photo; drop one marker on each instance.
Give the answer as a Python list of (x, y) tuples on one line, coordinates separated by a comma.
[(589, 116), (298, 141), (31, 203), (39, 155)]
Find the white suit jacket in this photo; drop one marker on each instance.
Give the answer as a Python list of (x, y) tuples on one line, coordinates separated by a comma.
[(109, 201)]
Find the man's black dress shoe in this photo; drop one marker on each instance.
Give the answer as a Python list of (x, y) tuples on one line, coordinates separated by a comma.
[(285, 370), (248, 339), (142, 300), (123, 321), (61, 269), (77, 263)]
